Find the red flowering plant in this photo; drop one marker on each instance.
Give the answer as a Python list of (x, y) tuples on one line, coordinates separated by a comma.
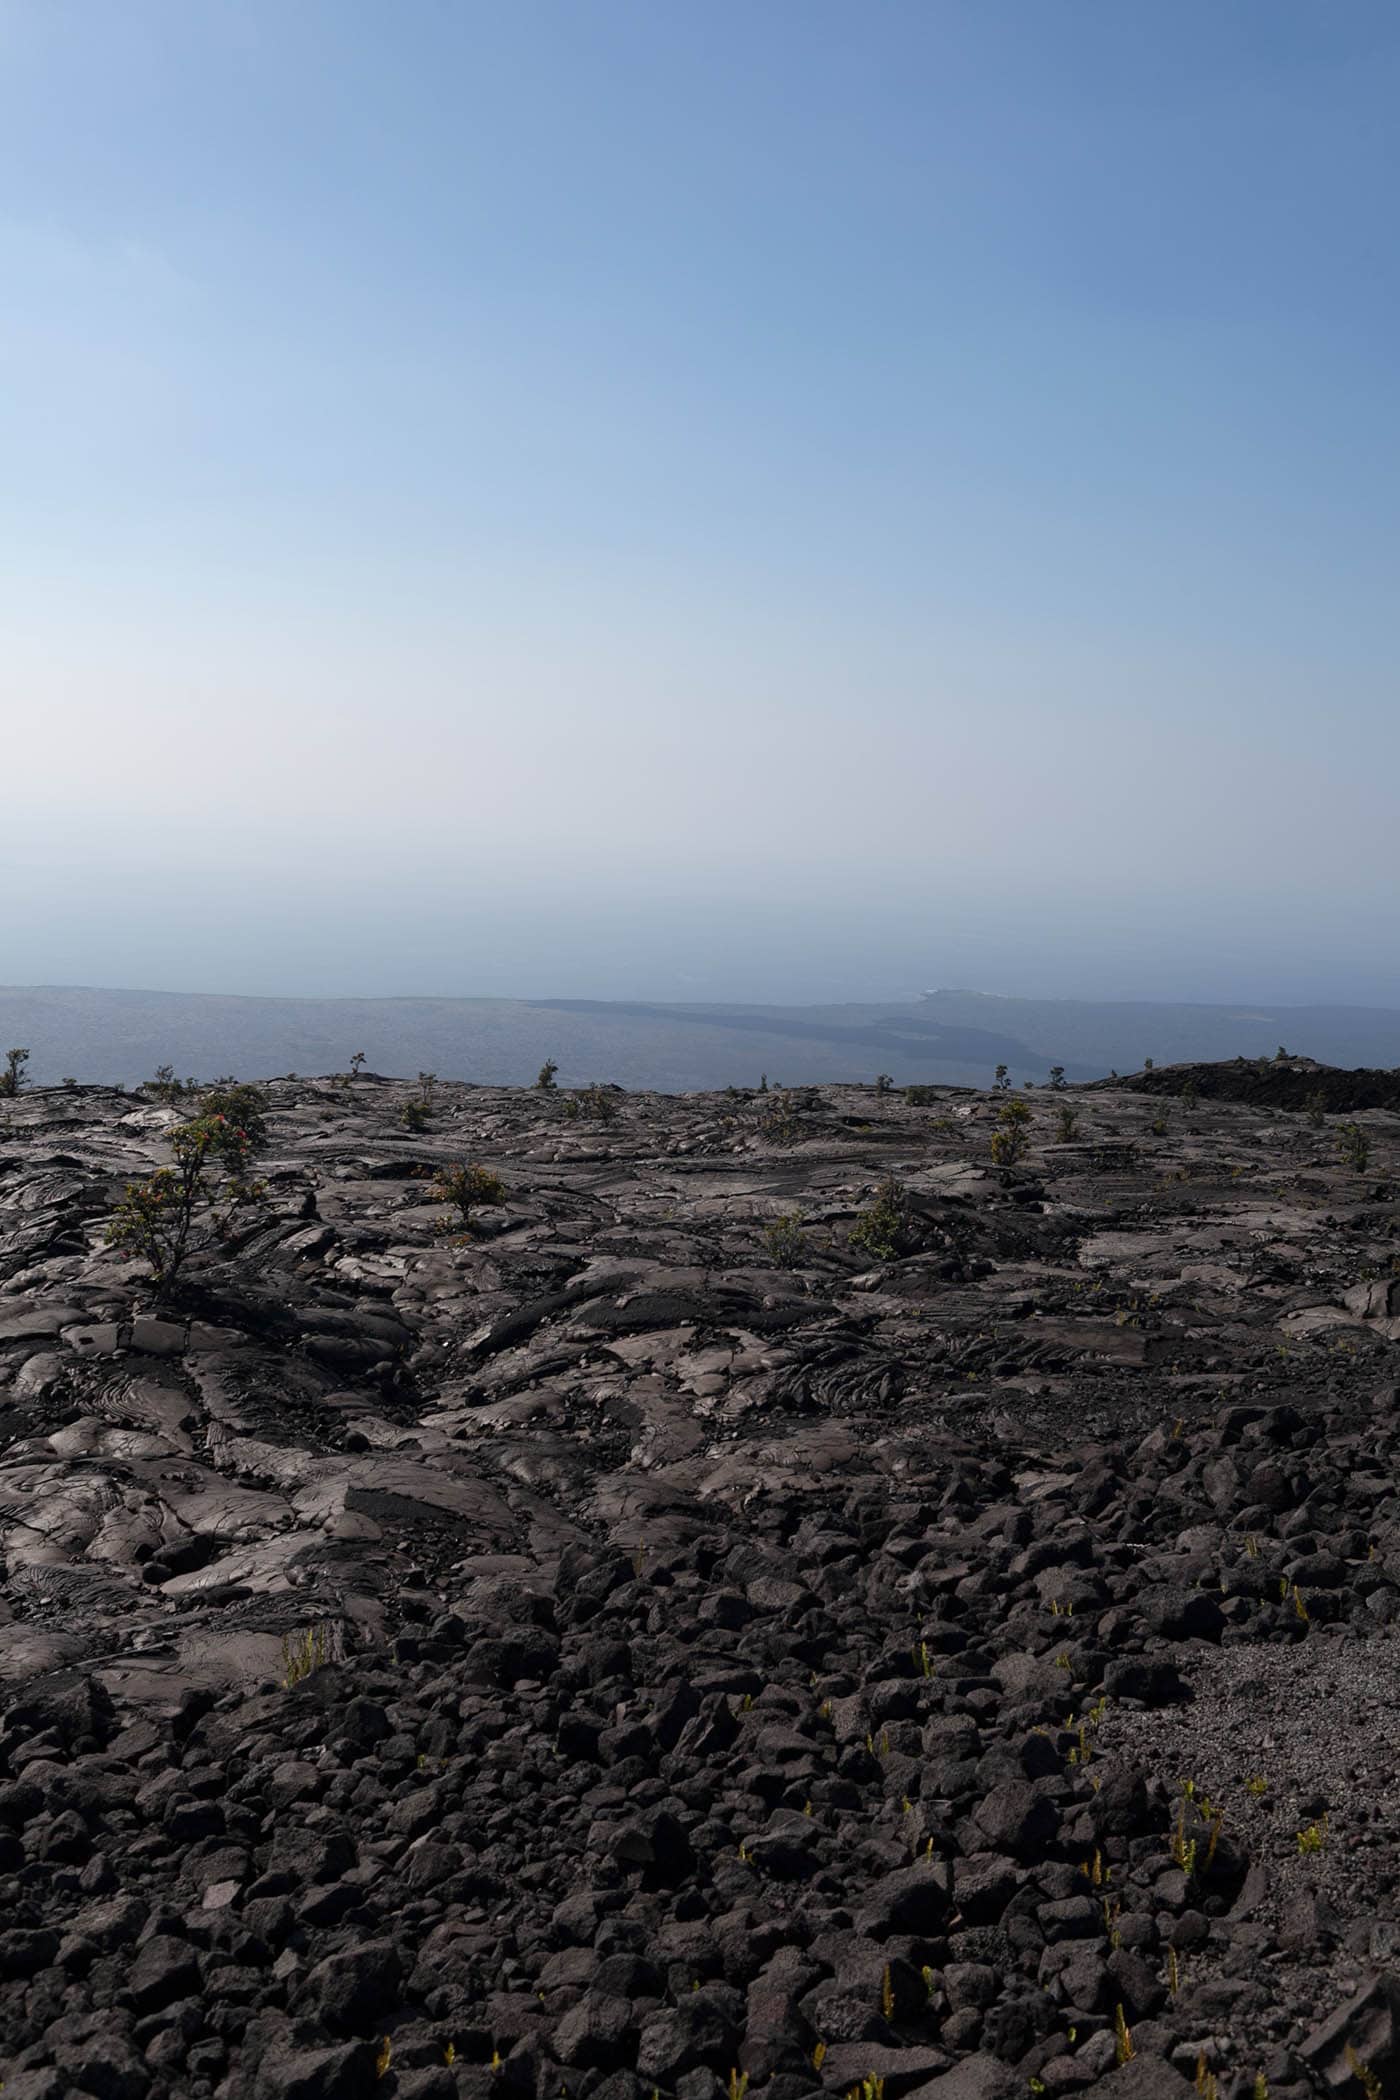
[(193, 1204)]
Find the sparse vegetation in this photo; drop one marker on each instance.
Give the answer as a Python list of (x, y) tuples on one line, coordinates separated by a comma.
[(544, 1078), (12, 1078), (167, 1088), (785, 1241), (1364, 2075), (1002, 1081), (884, 1084), (1354, 1147), (780, 1119), (355, 1063), (193, 1203), (885, 1228), (414, 1117), (1066, 1122), (1123, 2037), (302, 1653), (921, 1096), (1057, 1079), (1012, 1134), (467, 1189)]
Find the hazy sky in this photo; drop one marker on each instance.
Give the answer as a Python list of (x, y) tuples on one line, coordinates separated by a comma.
[(720, 497)]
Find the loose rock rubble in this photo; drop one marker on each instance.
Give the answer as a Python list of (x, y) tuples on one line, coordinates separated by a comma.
[(626, 1649)]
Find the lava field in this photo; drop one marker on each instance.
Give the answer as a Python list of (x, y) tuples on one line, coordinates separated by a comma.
[(666, 1636)]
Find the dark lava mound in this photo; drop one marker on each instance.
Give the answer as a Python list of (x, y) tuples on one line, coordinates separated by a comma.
[(1297, 1083)]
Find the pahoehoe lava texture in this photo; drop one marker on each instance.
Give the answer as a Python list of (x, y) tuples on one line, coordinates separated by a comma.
[(976, 1672)]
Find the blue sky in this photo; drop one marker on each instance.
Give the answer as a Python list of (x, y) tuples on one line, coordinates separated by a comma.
[(778, 497)]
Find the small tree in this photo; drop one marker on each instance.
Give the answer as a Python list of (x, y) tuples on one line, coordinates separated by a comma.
[(468, 1188), (1011, 1136), (12, 1078), (1003, 1079), (356, 1061), (1057, 1079), (1065, 1124), (884, 1084), (545, 1077), (763, 1082), (1355, 1147), (193, 1204), (166, 1087), (414, 1117), (1147, 1064)]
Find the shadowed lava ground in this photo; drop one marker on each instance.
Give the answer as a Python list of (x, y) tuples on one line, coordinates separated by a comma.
[(819, 1675)]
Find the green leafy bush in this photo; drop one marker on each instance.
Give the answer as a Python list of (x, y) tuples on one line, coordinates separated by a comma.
[(885, 1227), (12, 1078), (468, 1189), (1012, 1134), (164, 1218)]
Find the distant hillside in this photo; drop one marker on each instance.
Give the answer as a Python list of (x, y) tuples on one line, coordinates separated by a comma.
[(956, 1038)]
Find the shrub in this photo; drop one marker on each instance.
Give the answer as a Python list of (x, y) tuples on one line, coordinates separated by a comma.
[(1003, 1080), (162, 1219), (12, 1078), (1057, 1079), (1065, 1123), (356, 1061), (883, 1083), (244, 1106), (885, 1228), (469, 1188), (1011, 1136), (780, 1119), (426, 1082), (414, 1117), (786, 1241), (166, 1087), (598, 1102), (921, 1096), (1354, 1146), (544, 1079)]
